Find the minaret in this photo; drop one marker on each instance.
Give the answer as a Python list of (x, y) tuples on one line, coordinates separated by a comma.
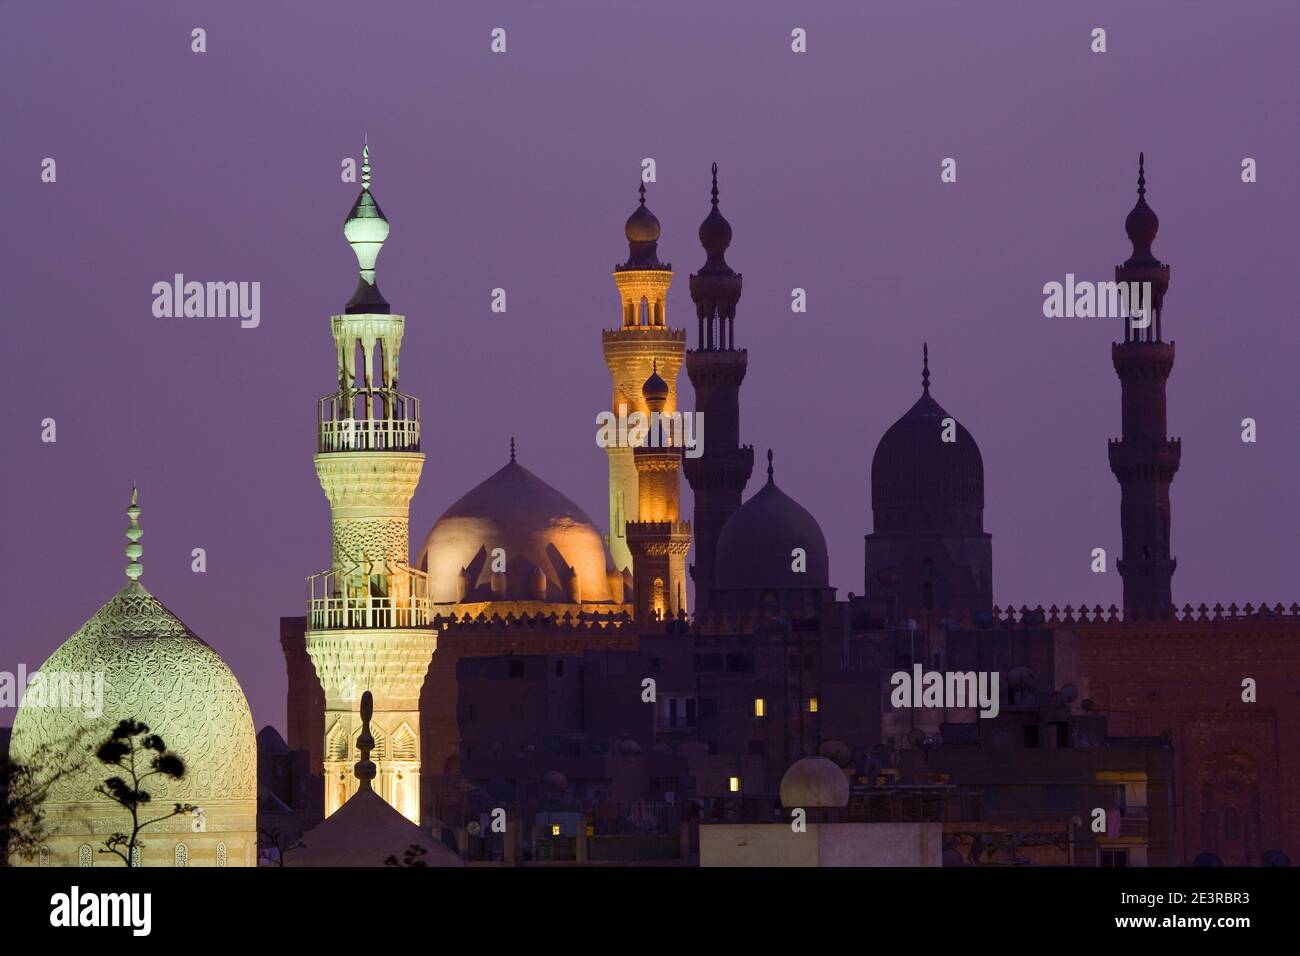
[(369, 622), (1144, 459), (716, 369), (658, 539), (642, 342)]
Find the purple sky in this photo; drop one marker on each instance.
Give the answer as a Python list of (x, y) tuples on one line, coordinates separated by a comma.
[(519, 170)]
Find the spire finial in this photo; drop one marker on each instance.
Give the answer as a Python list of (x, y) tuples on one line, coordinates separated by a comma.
[(925, 367), (365, 767), (133, 534), (512, 447), (1142, 175), (365, 162), (769, 466), (715, 184), (642, 191)]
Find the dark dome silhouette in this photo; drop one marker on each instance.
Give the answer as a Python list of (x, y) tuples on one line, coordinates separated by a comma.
[(755, 545), (919, 481)]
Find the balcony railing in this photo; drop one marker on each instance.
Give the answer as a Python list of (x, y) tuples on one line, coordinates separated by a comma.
[(372, 594), (368, 419)]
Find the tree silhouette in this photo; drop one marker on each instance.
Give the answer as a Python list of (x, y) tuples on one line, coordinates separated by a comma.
[(24, 788), (141, 754)]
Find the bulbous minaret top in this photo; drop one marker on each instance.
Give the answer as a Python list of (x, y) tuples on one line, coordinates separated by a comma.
[(366, 228), (655, 390), (715, 237), (1142, 223), (133, 535), (642, 231)]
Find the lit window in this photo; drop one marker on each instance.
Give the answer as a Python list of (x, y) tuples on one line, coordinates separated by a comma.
[(735, 785), (812, 705), (555, 829), (760, 707)]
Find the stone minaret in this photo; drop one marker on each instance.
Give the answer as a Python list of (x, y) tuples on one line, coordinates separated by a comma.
[(658, 539), (642, 342), (716, 369), (1144, 459), (368, 623)]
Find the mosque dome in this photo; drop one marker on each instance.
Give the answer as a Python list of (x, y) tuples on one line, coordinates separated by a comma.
[(814, 783), (155, 671), (715, 231), (1142, 223), (655, 388), (536, 526), (921, 482), (642, 231), (755, 545)]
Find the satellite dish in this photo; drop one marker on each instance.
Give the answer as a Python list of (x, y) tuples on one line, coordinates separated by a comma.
[(1088, 704), (1275, 858), (836, 751), (1069, 694), (628, 747)]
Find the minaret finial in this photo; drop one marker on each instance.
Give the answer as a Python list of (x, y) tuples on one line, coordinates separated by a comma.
[(512, 447), (133, 534), (365, 767), (365, 162), (1142, 175), (769, 466), (642, 191), (715, 184), (925, 367)]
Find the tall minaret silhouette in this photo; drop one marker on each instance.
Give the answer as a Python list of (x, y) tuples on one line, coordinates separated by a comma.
[(642, 344), (368, 622), (716, 369), (1144, 460)]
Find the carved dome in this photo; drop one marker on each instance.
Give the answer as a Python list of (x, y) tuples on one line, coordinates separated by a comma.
[(366, 831), (535, 525), (755, 546), (157, 671), (919, 482)]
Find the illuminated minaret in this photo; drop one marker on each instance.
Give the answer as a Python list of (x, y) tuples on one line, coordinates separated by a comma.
[(368, 624), (642, 342), (716, 369), (658, 539), (1144, 459)]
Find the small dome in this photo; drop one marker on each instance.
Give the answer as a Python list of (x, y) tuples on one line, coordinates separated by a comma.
[(536, 526), (755, 545), (715, 231), (1142, 223), (915, 473), (642, 226), (655, 388), (366, 831), (814, 783)]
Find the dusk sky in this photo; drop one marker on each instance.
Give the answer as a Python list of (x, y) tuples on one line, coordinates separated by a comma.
[(518, 171)]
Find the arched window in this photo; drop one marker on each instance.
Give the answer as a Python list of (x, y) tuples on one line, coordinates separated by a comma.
[(182, 855), (135, 856), (45, 856), (221, 854), (644, 311), (84, 856)]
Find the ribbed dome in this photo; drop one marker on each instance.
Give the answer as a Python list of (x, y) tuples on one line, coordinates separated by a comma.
[(814, 783), (536, 526), (921, 482), (157, 671), (755, 546)]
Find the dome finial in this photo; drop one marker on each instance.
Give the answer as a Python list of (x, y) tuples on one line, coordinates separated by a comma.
[(365, 767), (715, 184), (365, 161), (512, 447), (769, 466), (133, 534), (925, 367), (1142, 175), (642, 191)]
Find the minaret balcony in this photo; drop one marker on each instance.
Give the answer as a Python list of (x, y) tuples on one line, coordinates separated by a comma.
[(368, 419), (370, 595)]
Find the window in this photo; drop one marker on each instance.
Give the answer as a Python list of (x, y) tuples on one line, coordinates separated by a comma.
[(812, 705), (760, 707), (45, 856), (516, 668), (182, 855), (734, 784), (221, 854), (1112, 857), (83, 855), (555, 829)]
